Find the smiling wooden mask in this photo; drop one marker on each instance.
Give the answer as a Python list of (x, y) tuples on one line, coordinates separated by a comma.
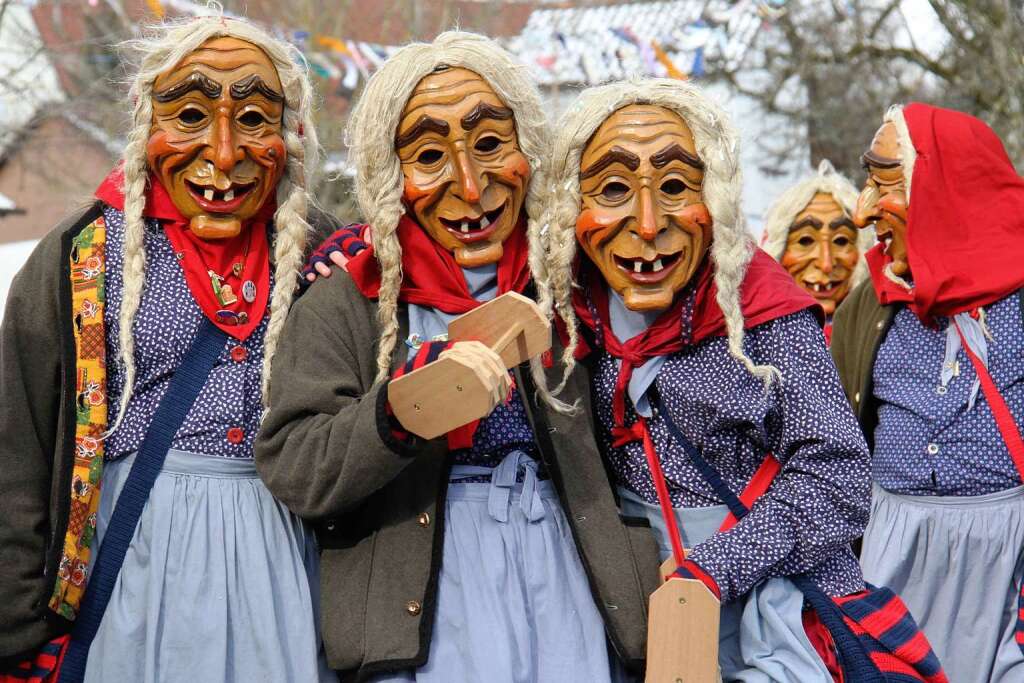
[(642, 220), (821, 251), (465, 175), (216, 140), (883, 202)]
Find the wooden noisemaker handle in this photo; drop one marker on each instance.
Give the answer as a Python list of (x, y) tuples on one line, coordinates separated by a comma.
[(682, 633)]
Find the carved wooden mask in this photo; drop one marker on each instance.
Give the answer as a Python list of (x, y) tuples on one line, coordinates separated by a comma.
[(821, 251), (642, 218), (883, 202), (465, 175), (216, 141)]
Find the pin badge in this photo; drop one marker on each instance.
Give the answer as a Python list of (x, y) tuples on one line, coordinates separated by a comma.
[(237, 269), (249, 291), (228, 317)]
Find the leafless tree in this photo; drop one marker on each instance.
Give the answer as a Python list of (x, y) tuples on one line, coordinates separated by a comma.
[(832, 68)]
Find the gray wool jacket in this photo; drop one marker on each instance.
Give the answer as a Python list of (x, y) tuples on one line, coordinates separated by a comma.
[(377, 504)]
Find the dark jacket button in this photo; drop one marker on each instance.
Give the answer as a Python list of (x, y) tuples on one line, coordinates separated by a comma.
[(413, 607), (423, 520)]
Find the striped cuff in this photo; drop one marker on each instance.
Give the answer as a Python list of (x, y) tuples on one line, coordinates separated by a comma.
[(691, 570)]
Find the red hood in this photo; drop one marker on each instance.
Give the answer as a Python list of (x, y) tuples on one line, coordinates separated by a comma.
[(965, 225)]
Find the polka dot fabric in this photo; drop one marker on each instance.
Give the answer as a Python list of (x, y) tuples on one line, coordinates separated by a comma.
[(165, 325), (927, 443), (818, 503), (506, 429)]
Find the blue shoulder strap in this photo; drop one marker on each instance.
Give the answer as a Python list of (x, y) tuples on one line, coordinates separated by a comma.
[(182, 393), (857, 665)]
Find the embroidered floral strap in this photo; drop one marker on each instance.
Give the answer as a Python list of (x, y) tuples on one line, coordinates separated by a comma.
[(88, 261)]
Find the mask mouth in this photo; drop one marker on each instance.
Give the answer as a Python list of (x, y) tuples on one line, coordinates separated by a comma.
[(469, 230), (213, 200), (823, 290), (646, 271)]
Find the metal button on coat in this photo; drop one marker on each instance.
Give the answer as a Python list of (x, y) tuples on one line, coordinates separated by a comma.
[(239, 354), (880, 324), (236, 435), (413, 607), (940, 390), (933, 448), (423, 520), (856, 397)]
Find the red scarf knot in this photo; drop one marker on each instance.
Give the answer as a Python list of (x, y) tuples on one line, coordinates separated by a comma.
[(250, 249)]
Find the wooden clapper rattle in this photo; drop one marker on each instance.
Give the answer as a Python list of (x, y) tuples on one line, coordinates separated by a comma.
[(444, 395), (682, 631)]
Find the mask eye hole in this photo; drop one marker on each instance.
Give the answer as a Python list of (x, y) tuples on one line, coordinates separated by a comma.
[(252, 119), (806, 241), (430, 156), (841, 241), (673, 187), (191, 116), (488, 143), (614, 190)]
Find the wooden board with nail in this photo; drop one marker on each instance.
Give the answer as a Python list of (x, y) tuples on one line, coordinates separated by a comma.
[(682, 633), (445, 394)]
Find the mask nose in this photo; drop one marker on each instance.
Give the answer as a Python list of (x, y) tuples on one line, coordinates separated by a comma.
[(867, 205), (467, 179), (824, 259), (224, 153), (647, 220)]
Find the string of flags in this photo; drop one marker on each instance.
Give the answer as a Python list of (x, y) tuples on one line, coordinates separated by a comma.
[(580, 45)]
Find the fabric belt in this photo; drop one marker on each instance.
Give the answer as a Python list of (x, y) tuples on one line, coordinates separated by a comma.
[(184, 388), (503, 482)]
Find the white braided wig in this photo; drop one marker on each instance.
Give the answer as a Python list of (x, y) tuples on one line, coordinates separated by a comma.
[(370, 136), (717, 146), (783, 212), (159, 50)]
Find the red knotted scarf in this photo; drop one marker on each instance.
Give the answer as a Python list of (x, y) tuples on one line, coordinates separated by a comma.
[(768, 292), (199, 256), (432, 277), (965, 221)]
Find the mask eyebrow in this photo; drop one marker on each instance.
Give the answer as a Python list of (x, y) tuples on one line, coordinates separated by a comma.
[(484, 110), (196, 80), (614, 155), (842, 221), (254, 84), (869, 158), (807, 222), (675, 152), (423, 124)]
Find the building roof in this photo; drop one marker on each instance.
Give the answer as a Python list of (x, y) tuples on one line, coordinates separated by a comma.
[(590, 45)]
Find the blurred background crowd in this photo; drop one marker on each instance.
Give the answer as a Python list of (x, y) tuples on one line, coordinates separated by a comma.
[(804, 80)]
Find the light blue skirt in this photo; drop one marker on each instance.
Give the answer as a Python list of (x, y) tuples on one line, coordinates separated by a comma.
[(219, 582), (513, 602), (761, 636), (957, 562)]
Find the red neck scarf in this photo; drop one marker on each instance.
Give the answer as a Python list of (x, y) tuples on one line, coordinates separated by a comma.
[(431, 276), (768, 292), (965, 223), (198, 257)]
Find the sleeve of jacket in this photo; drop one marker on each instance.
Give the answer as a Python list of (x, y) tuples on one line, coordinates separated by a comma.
[(326, 444), (818, 502), (843, 344), (30, 404)]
